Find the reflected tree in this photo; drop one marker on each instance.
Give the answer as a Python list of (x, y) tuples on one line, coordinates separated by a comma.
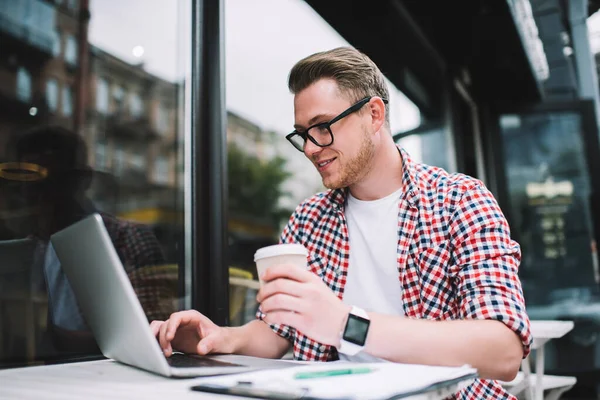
[(256, 187)]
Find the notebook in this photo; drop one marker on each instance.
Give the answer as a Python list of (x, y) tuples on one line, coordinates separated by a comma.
[(344, 380)]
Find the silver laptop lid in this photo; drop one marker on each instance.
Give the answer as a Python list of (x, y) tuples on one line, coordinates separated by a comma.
[(105, 295)]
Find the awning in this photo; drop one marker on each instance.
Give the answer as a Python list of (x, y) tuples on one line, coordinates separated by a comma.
[(416, 42)]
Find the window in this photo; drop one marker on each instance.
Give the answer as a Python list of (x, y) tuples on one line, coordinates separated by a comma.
[(138, 161), (31, 21), (428, 144), (147, 219), (117, 95), (551, 184), (136, 105), (119, 161), (52, 94), (100, 157), (102, 96), (23, 85), (162, 170), (162, 119), (72, 4), (71, 50), (56, 43), (258, 154), (550, 189), (67, 101)]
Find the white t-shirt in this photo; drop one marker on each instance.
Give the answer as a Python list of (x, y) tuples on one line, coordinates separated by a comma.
[(373, 280)]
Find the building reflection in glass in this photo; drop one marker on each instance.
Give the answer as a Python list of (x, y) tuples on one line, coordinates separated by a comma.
[(81, 131)]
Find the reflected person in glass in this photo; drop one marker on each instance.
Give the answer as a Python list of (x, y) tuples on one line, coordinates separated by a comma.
[(53, 199), (407, 262)]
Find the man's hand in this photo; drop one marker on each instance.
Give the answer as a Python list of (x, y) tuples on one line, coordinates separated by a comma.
[(300, 299), (191, 332)]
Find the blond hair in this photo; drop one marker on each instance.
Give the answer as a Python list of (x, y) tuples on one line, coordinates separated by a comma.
[(356, 75)]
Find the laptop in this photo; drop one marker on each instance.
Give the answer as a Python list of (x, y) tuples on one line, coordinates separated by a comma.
[(113, 311)]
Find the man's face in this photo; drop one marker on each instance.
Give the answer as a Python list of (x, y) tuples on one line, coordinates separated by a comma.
[(349, 158)]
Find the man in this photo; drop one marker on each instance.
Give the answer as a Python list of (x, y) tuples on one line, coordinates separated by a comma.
[(49, 203), (417, 260)]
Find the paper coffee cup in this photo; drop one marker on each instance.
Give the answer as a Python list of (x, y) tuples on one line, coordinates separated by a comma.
[(294, 254)]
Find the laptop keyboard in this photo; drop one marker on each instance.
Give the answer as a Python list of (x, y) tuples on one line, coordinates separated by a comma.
[(178, 360)]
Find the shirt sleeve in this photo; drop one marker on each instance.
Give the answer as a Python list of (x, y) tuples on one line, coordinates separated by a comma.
[(488, 261), (289, 235)]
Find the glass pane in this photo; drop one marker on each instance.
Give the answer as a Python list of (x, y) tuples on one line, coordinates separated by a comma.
[(86, 141), (268, 177), (102, 96), (23, 85), (67, 101), (549, 189), (429, 146), (71, 50), (52, 94), (56, 43)]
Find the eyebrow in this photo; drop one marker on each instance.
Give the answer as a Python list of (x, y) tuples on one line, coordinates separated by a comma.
[(315, 118)]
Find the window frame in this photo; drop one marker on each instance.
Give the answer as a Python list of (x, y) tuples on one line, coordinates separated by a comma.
[(208, 186)]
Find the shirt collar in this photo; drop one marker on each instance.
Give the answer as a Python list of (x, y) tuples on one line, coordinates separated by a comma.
[(410, 184)]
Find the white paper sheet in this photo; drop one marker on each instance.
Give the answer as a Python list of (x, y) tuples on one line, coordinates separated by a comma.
[(386, 380)]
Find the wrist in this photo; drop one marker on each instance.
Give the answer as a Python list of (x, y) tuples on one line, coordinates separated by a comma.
[(235, 338)]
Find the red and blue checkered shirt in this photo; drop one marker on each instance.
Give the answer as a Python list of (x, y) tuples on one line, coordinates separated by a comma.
[(455, 258)]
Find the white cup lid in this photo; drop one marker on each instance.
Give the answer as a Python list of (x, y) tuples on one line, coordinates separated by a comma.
[(281, 249)]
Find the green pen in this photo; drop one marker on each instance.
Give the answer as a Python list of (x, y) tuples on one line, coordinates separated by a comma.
[(332, 372)]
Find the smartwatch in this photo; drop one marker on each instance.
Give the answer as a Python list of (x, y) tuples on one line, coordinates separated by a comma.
[(354, 334)]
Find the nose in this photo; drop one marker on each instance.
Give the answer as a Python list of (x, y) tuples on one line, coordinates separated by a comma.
[(311, 149)]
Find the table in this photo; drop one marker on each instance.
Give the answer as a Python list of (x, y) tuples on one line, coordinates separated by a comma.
[(542, 332), (109, 379)]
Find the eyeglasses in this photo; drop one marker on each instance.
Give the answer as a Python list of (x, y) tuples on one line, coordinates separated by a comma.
[(320, 134)]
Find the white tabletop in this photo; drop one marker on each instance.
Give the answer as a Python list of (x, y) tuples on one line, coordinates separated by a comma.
[(109, 379), (543, 331)]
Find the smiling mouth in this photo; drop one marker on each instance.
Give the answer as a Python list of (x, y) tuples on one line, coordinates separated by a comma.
[(324, 164)]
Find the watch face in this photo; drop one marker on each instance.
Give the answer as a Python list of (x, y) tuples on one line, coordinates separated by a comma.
[(356, 330)]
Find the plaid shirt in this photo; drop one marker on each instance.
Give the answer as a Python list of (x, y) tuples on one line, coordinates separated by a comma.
[(154, 281), (135, 243), (455, 258)]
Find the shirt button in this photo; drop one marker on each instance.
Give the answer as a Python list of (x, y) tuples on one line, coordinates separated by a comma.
[(322, 348)]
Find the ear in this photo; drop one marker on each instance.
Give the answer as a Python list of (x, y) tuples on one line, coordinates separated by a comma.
[(377, 107)]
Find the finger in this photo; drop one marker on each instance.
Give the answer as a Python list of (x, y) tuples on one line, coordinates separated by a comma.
[(295, 320), (165, 343), (284, 286), (282, 302), (183, 318), (215, 342), (206, 345), (288, 271), (155, 327)]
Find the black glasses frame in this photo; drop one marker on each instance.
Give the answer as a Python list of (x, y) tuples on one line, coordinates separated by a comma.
[(305, 134)]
